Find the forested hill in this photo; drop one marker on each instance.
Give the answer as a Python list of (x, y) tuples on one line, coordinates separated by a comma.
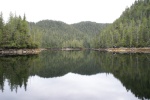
[(132, 29), (56, 34), (90, 28)]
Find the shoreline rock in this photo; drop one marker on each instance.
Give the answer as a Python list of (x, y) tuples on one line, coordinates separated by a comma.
[(113, 50), (125, 50), (65, 49), (128, 50), (9, 52), (19, 51)]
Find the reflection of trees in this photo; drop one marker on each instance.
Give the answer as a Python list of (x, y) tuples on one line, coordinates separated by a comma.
[(54, 64), (15, 70), (131, 69), (1, 79), (135, 75)]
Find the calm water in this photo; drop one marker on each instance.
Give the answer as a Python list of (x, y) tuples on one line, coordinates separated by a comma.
[(75, 75)]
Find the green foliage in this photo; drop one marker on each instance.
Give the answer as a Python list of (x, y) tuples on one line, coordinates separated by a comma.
[(56, 34), (15, 33), (90, 28), (1, 27), (132, 29)]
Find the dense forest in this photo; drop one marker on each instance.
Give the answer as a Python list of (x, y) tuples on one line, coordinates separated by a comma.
[(56, 34), (15, 33), (132, 29)]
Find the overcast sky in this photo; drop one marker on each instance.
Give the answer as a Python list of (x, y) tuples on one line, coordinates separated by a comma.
[(68, 11)]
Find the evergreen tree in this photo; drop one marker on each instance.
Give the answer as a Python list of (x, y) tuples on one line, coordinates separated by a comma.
[(15, 33), (130, 30), (1, 27)]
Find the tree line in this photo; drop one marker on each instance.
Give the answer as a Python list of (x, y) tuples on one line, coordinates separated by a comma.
[(15, 33), (57, 34), (132, 29)]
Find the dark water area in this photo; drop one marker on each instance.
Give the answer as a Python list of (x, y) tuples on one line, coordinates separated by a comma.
[(75, 75)]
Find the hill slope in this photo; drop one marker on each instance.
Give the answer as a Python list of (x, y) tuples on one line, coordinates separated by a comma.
[(132, 29), (90, 28), (56, 34)]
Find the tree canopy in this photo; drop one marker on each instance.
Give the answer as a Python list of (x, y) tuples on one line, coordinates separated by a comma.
[(15, 33), (56, 34), (132, 29)]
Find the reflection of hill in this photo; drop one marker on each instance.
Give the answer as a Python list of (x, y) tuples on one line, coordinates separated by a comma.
[(137, 78), (131, 69), (60, 63)]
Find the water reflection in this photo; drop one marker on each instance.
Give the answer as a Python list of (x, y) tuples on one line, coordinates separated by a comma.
[(15, 70), (132, 70), (73, 87)]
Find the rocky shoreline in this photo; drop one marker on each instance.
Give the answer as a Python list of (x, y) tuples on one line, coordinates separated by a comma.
[(65, 49), (10, 52), (113, 50), (126, 50), (19, 51)]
